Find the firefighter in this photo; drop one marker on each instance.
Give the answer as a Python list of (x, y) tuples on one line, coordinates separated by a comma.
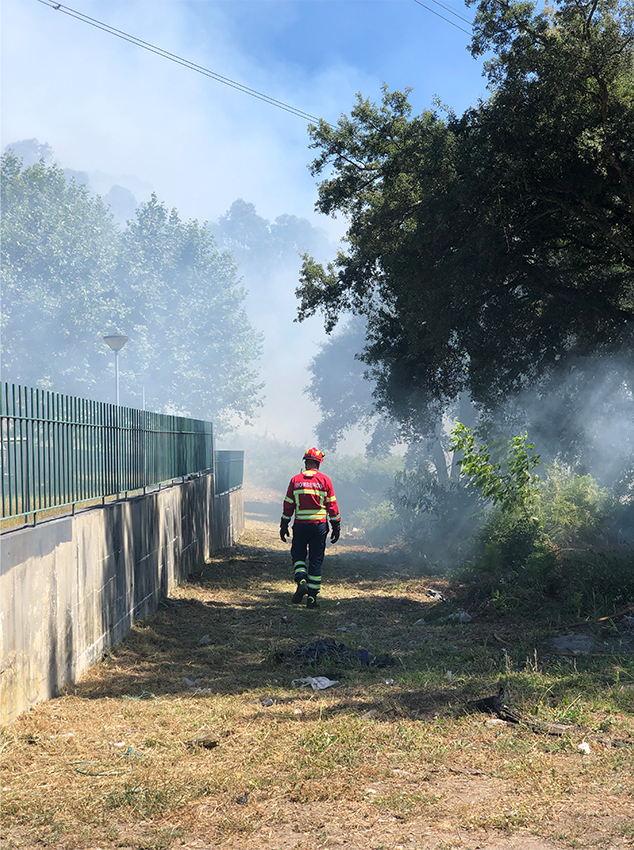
[(311, 497)]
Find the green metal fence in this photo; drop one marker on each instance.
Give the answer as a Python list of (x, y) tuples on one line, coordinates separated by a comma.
[(229, 468), (58, 450)]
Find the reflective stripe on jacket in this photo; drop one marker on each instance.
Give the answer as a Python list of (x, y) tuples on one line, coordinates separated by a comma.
[(311, 497)]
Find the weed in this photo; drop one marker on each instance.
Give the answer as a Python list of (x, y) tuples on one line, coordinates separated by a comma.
[(507, 819), (405, 805), (143, 801)]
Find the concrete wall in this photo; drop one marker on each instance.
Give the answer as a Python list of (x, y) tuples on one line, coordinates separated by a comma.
[(72, 587)]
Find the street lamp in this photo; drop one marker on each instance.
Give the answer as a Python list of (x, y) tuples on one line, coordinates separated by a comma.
[(116, 343)]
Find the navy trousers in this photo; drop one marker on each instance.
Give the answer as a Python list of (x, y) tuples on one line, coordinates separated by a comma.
[(309, 539)]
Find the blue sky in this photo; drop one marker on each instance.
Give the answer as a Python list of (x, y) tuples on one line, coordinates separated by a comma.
[(107, 106), (103, 104)]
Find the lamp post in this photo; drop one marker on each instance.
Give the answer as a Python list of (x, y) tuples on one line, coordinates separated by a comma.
[(116, 343)]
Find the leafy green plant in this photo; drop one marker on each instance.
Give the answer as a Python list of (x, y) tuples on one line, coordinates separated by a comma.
[(507, 482), (502, 471), (547, 539)]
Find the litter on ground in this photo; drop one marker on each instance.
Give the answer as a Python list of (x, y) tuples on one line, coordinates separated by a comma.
[(317, 683)]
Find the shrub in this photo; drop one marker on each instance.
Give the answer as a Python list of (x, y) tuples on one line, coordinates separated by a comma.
[(547, 539), (573, 508), (437, 521)]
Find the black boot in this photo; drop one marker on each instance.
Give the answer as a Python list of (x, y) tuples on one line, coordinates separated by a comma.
[(311, 602), (302, 590)]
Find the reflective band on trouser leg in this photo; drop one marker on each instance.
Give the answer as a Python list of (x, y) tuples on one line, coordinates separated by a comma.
[(314, 585), (316, 549), (299, 550)]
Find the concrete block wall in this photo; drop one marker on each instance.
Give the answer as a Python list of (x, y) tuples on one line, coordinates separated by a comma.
[(72, 587)]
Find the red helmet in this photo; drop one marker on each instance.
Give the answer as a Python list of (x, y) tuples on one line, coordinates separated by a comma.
[(314, 454)]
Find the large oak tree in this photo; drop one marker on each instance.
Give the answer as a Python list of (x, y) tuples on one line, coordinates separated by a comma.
[(488, 249)]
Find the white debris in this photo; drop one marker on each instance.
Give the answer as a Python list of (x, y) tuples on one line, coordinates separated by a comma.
[(420, 622), (584, 748), (317, 683)]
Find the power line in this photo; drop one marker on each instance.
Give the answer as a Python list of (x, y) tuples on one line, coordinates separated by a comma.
[(451, 12), (429, 9), (73, 13)]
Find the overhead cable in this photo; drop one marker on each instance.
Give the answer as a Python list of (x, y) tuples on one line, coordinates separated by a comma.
[(452, 12), (93, 22), (434, 12)]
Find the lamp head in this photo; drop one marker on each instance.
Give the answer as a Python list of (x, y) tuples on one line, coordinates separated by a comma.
[(116, 341)]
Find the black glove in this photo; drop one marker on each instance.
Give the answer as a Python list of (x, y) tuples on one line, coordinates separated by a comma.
[(284, 532), (335, 527)]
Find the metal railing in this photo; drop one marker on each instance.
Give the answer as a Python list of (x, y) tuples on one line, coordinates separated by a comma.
[(59, 450)]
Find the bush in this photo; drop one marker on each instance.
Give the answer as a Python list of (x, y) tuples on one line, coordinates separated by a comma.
[(379, 523), (508, 539), (554, 539), (574, 510), (437, 521)]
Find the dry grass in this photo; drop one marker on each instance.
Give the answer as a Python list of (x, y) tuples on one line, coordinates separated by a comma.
[(364, 764)]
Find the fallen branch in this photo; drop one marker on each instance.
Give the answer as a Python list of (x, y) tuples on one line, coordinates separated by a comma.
[(591, 622)]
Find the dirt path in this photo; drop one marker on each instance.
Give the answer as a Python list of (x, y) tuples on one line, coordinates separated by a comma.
[(386, 759)]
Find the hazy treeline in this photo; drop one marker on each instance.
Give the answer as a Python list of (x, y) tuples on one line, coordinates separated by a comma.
[(205, 304), (70, 275)]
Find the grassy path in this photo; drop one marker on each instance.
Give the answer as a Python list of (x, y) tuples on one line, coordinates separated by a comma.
[(388, 758)]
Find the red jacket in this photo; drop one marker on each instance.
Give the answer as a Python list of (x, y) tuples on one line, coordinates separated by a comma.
[(311, 497)]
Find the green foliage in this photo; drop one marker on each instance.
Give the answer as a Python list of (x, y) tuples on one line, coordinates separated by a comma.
[(59, 255), (438, 520), (69, 276), (542, 538), (507, 539), (573, 509), (261, 246), (508, 482), (344, 391), (378, 521), (485, 249), (361, 485), (194, 345), (361, 482)]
